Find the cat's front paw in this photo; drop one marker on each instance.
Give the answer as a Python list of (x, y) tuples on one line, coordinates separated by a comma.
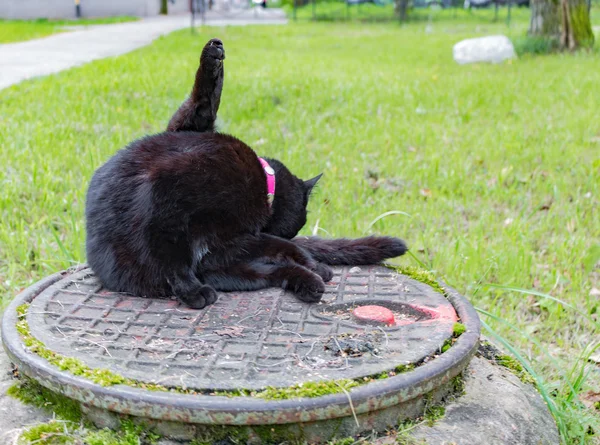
[(308, 287), (324, 271), (202, 297)]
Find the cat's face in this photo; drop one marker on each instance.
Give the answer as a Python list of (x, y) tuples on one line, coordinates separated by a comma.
[(291, 199)]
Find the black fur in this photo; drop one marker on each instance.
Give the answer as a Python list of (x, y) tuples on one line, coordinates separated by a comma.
[(352, 252), (185, 213)]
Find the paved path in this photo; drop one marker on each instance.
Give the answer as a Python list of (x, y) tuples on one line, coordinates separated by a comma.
[(40, 57)]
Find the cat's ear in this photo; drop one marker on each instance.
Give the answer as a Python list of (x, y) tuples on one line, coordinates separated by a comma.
[(308, 185)]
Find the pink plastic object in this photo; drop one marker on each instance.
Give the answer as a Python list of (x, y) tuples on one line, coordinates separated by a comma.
[(377, 315)]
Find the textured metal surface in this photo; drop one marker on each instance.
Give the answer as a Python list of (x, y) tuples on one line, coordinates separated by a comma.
[(245, 340), (378, 405)]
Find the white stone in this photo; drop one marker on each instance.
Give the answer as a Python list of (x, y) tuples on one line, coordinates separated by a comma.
[(493, 49)]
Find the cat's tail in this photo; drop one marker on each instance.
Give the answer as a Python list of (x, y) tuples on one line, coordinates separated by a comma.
[(352, 252)]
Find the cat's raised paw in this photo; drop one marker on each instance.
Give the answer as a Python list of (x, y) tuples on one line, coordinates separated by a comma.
[(214, 50)]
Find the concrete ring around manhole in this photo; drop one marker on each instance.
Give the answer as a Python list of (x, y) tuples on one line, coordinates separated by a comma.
[(179, 366)]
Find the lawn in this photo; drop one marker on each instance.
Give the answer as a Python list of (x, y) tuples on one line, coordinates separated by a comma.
[(20, 30), (497, 166)]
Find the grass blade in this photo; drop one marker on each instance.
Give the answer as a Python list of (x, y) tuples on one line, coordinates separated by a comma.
[(385, 215)]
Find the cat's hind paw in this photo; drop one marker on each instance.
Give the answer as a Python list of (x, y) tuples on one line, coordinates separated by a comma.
[(213, 52), (308, 286), (324, 271)]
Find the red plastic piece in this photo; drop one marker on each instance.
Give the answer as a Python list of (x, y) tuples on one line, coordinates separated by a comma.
[(374, 315)]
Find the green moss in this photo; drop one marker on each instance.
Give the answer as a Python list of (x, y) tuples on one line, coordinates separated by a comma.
[(30, 392), (513, 364), (58, 432), (130, 433), (234, 393), (447, 345), (419, 274), (458, 329), (52, 433), (458, 385), (69, 426), (278, 434), (434, 413), (307, 389), (400, 369), (211, 434), (581, 25)]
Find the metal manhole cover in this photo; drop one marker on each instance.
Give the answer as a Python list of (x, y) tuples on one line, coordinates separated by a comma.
[(248, 339)]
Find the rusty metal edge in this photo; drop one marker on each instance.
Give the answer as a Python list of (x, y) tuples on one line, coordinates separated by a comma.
[(220, 410)]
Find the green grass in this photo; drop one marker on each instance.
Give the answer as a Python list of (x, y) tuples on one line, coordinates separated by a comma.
[(498, 166), (20, 30)]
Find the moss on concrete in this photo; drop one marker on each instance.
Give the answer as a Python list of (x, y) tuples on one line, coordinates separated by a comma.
[(513, 364), (493, 354), (458, 329), (458, 385), (69, 426), (32, 393), (307, 389), (400, 369), (75, 366), (421, 275), (51, 433)]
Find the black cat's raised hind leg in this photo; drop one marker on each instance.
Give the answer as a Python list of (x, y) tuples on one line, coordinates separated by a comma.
[(199, 111)]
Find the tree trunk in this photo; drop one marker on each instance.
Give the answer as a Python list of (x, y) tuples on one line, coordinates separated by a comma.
[(400, 8), (545, 19), (164, 7), (565, 21), (576, 26)]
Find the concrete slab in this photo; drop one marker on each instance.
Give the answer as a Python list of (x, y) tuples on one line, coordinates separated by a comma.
[(14, 415), (496, 409)]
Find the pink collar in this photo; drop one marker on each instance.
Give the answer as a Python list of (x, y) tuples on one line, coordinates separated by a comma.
[(270, 173)]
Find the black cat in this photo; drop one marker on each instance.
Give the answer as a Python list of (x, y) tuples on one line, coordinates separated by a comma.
[(186, 212)]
